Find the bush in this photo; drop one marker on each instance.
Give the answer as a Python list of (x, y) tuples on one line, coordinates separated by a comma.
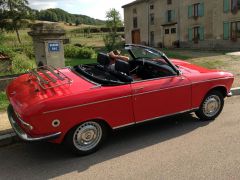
[(21, 63), (79, 52), (7, 51)]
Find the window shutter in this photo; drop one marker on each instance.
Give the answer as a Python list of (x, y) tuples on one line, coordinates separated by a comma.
[(173, 15), (190, 11), (201, 9), (226, 30), (226, 6), (190, 34), (201, 33)]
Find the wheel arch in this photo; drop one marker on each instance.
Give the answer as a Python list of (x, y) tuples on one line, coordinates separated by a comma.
[(101, 121), (222, 89)]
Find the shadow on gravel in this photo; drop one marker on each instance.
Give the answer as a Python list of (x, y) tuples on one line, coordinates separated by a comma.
[(46, 160)]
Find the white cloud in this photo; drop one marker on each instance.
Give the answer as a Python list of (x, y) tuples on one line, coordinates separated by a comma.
[(93, 8)]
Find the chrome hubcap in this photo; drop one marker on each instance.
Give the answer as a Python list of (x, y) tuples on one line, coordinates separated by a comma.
[(211, 106), (87, 136)]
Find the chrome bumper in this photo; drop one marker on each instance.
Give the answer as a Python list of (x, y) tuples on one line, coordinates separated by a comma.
[(229, 94), (18, 130)]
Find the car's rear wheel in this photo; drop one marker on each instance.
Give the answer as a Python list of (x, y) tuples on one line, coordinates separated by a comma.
[(86, 138), (211, 106)]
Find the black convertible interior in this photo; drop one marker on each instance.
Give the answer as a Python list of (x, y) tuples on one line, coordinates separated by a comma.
[(136, 69)]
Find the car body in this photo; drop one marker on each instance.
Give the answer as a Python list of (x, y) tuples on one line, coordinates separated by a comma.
[(77, 104)]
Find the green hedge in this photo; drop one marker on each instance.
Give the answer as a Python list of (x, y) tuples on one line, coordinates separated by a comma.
[(79, 52)]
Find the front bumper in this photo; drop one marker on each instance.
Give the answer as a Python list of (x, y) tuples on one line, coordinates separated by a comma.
[(20, 132), (229, 94)]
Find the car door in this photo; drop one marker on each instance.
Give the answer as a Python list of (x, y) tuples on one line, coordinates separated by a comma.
[(161, 97)]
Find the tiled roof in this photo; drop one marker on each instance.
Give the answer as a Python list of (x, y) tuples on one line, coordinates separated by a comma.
[(132, 3)]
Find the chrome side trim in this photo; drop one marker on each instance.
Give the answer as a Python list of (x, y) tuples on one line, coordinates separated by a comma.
[(211, 80), (125, 125), (151, 119), (24, 136), (162, 89), (112, 99), (81, 105), (166, 77)]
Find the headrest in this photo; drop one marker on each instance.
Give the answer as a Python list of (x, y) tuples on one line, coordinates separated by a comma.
[(103, 59), (122, 66)]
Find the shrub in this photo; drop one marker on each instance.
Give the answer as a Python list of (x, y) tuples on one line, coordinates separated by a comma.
[(21, 63), (79, 52)]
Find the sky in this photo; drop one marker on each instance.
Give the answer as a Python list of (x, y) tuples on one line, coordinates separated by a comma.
[(93, 8)]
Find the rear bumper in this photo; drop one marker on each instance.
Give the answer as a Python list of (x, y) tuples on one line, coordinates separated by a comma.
[(20, 132)]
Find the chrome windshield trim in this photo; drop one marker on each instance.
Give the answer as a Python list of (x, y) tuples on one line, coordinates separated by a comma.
[(20, 132), (155, 118), (91, 103)]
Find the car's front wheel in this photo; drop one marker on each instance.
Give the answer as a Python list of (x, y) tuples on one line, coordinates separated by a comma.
[(86, 138), (211, 106)]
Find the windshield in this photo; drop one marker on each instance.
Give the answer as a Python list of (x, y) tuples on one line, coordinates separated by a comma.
[(144, 52)]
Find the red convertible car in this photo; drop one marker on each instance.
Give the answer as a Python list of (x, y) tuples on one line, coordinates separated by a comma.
[(77, 105)]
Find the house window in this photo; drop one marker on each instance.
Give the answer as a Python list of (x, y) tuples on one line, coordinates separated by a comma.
[(169, 1), (235, 5), (235, 30), (151, 6), (134, 11), (196, 34), (152, 38), (173, 31), (166, 31), (135, 22), (196, 8), (169, 15), (152, 19)]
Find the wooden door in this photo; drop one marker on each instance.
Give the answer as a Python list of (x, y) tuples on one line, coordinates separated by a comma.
[(136, 37)]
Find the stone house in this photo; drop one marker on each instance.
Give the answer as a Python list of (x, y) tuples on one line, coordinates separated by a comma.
[(185, 23)]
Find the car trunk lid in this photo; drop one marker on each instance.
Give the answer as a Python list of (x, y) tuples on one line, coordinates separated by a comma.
[(38, 86)]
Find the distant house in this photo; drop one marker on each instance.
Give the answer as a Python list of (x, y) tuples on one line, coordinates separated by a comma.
[(211, 24)]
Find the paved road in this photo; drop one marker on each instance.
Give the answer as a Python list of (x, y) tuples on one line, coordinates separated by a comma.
[(175, 148)]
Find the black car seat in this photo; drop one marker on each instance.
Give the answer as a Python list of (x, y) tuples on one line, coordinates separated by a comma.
[(103, 59), (122, 71), (122, 66)]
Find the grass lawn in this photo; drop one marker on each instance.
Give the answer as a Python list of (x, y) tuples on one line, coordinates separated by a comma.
[(3, 101)]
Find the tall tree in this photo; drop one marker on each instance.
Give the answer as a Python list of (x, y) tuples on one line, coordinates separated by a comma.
[(113, 22), (14, 14)]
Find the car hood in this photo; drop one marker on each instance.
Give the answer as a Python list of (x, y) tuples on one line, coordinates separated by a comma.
[(23, 94), (197, 73)]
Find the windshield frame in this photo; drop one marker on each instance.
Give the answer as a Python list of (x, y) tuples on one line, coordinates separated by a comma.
[(154, 51)]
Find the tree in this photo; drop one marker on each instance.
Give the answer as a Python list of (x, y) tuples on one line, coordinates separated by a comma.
[(77, 22), (113, 22), (14, 14)]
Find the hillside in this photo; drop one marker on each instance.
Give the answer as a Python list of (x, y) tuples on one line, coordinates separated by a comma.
[(59, 15)]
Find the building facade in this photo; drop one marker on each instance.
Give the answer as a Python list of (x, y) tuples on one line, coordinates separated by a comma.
[(185, 23)]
